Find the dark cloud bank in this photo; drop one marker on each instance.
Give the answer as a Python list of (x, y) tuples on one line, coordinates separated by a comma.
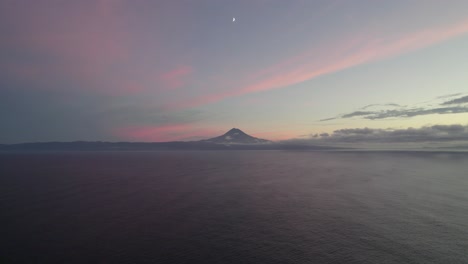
[(435, 137), (437, 133)]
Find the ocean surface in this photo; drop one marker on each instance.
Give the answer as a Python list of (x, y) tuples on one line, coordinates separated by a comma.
[(234, 207)]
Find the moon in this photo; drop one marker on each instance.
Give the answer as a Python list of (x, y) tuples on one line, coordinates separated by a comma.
[(233, 19)]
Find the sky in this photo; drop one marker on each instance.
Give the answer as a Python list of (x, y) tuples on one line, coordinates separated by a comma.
[(137, 70)]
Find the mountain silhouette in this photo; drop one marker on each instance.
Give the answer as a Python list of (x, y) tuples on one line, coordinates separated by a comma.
[(236, 136), (234, 139)]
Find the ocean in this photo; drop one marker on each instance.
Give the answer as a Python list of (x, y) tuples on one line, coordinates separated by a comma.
[(234, 207)]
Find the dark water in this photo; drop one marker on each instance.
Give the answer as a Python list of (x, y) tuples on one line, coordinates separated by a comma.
[(234, 207)]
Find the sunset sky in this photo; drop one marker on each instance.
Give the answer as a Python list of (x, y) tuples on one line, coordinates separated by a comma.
[(135, 70)]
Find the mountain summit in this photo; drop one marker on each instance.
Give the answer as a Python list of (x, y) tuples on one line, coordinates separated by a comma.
[(236, 136)]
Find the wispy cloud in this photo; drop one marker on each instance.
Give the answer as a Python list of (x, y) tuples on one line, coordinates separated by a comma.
[(329, 59), (373, 105), (177, 77), (448, 95), (454, 106), (460, 100)]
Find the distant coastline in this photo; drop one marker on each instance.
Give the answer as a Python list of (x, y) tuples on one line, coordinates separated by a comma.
[(144, 146)]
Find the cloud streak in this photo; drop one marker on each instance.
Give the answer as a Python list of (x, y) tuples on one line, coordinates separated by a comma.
[(326, 60), (461, 100), (176, 78), (454, 106)]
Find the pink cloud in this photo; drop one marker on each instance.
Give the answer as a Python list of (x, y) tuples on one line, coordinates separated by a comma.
[(170, 132), (176, 78), (318, 62)]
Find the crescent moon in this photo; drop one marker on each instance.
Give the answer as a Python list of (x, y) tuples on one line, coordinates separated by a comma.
[(233, 19)]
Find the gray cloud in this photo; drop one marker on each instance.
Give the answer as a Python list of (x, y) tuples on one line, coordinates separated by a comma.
[(373, 105), (402, 113), (448, 95), (436, 133), (357, 113), (415, 112), (424, 134), (460, 100), (328, 119), (454, 106)]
